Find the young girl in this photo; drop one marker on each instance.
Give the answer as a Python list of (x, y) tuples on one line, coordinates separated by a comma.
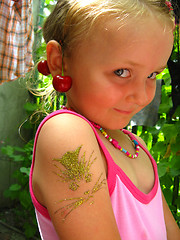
[(90, 179)]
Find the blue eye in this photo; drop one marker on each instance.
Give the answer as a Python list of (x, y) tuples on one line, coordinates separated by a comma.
[(153, 75), (122, 73)]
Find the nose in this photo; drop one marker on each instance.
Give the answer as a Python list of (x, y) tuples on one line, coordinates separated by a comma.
[(140, 93)]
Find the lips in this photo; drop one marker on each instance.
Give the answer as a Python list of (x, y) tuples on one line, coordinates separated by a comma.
[(125, 112)]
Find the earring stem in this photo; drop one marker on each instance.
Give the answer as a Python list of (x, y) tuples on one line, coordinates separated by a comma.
[(62, 69), (62, 64)]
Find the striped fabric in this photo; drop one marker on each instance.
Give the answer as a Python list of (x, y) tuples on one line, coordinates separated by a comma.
[(16, 38)]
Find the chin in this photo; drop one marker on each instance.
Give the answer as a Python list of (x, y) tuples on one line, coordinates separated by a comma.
[(114, 126)]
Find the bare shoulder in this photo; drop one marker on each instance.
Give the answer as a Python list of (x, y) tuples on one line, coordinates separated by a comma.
[(63, 133), (64, 140), (69, 179), (65, 129)]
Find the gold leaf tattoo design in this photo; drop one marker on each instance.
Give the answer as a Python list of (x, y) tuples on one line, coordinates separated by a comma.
[(78, 201), (76, 168)]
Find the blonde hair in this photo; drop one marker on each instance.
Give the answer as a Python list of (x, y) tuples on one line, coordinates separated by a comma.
[(71, 20)]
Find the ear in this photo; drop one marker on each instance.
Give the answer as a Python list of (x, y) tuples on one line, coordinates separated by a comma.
[(54, 57)]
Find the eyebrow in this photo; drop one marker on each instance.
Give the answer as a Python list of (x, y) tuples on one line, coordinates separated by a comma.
[(141, 65)]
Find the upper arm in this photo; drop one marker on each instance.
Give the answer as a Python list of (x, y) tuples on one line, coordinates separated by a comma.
[(173, 231), (71, 179)]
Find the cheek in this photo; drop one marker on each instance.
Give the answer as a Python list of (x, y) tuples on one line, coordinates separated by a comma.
[(152, 91)]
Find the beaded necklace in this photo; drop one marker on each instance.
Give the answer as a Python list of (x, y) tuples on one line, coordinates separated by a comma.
[(116, 144), (113, 141)]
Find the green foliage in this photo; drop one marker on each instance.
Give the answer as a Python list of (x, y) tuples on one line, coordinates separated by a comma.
[(19, 191), (163, 142), (37, 109)]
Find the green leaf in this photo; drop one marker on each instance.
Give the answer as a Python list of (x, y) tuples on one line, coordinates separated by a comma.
[(162, 169), (18, 158), (169, 131), (10, 194), (167, 181), (25, 199), (30, 107), (164, 108), (168, 195), (19, 149), (8, 150), (175, 162), (174, 172), (25, 170), (15, 187), (159, 147)]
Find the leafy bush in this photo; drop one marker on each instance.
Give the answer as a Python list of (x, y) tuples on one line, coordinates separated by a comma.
[(19, 192), (163, 141)]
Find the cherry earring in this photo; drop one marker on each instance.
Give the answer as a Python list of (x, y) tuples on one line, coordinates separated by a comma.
[(43, 68), (62, 83)]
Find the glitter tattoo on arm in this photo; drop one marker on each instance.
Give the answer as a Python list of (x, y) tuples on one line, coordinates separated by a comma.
[(77, 169)]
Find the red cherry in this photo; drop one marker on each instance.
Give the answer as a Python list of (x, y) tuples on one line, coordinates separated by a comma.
[(43, 68), (62, 83)]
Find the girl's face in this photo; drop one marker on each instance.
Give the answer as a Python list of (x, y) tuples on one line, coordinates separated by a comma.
[(114, 71)]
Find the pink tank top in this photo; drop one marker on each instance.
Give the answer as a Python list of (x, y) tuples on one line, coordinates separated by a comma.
[(138, 216)]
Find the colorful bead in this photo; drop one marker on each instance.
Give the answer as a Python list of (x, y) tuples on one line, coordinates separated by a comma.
[(114, 142)]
